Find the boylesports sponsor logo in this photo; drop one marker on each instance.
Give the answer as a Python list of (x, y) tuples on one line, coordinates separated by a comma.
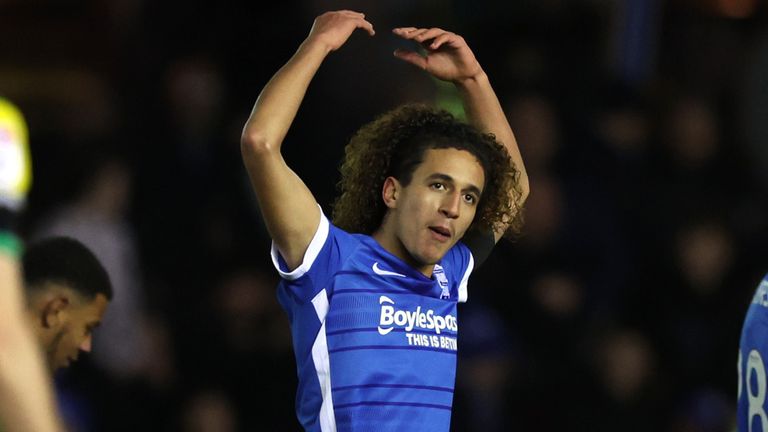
[(391, 317)]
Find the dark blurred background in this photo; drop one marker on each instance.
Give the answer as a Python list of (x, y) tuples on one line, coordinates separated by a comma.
[(643, 124)]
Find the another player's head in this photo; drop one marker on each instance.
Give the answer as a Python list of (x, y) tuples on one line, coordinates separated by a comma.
[(398, 171), (68, 291)]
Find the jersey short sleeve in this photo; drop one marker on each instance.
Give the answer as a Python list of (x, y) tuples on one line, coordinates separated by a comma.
[(327, 251), (459, 264)]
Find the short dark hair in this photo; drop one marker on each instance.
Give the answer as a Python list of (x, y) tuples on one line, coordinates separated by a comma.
[(66, 261)]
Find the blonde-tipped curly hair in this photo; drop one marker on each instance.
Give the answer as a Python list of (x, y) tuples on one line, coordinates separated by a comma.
[(394, 145)]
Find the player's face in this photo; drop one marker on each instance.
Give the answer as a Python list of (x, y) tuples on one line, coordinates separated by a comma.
[(434, 211), (74, 332)]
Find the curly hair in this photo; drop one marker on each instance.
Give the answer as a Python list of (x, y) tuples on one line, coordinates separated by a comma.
[(394, 145)]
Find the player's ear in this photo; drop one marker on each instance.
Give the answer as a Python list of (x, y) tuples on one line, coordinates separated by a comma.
[(53, 312), (390, 192)]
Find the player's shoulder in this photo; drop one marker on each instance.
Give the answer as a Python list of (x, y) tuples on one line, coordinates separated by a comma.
[(756, 319), (457, 258), (345, 240), (760, 297), (347, 248)]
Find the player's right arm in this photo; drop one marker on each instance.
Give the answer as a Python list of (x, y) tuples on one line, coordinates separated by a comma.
[(289, 209), (26, 395), (26, 399)]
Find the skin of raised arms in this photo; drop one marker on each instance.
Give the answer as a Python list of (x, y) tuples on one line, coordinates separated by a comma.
[(448, 57), (289, 209), (26, 401), (26, 393)]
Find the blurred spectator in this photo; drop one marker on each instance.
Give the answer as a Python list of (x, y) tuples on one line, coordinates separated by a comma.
[(209, 411), (630, 395), (98, 218)]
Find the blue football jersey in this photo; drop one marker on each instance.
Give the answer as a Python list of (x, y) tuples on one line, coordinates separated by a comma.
[(375, 340), (753, 354)]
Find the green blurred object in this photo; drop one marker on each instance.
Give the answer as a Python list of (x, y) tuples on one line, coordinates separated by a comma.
[(447, 98)]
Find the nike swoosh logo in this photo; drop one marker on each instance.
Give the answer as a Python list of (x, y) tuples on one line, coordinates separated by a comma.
[(381, 272)]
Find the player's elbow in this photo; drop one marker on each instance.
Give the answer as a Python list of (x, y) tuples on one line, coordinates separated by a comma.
[(254, 144)]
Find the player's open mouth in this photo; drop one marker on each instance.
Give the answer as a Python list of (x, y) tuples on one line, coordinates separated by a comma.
[(440, 233)]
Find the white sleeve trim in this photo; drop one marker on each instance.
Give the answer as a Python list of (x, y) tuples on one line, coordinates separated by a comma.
[(309, 256), (463, 285)]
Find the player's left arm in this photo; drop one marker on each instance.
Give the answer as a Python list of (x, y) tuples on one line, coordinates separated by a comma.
[(449, 58)]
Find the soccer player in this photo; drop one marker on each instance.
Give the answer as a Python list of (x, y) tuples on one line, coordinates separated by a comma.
[(68, 291), (372, 296), (753, 354), (26, 396)]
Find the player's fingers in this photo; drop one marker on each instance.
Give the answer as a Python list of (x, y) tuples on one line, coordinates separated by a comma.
[(411, 57), (366, 25), (428, 34), (413, 34), (442, 39), (403, 30)]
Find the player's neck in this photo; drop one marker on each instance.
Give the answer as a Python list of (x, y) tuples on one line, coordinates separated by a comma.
[(388, 240)]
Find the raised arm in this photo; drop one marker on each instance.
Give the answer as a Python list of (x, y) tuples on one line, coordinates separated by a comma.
[(449, 58), (26, 400), (26, 395), (288, 207)]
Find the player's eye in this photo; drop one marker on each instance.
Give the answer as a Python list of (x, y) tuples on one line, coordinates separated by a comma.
[(469, 198), (438, 186)]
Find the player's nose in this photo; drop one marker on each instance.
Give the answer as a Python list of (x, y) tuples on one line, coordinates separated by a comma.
[(450, 205)]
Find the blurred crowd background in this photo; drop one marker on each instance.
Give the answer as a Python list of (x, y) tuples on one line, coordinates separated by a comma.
[(643, 124)]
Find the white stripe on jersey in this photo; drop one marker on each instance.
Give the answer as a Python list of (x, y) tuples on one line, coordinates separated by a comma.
[(464, 280), (322, 364)]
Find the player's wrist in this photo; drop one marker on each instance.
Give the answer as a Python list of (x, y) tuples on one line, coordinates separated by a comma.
[(476, 79), (316, 45)]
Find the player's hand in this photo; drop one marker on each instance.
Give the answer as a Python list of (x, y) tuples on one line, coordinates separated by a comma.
[(447, 56), (332, 29), (15, 166)]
